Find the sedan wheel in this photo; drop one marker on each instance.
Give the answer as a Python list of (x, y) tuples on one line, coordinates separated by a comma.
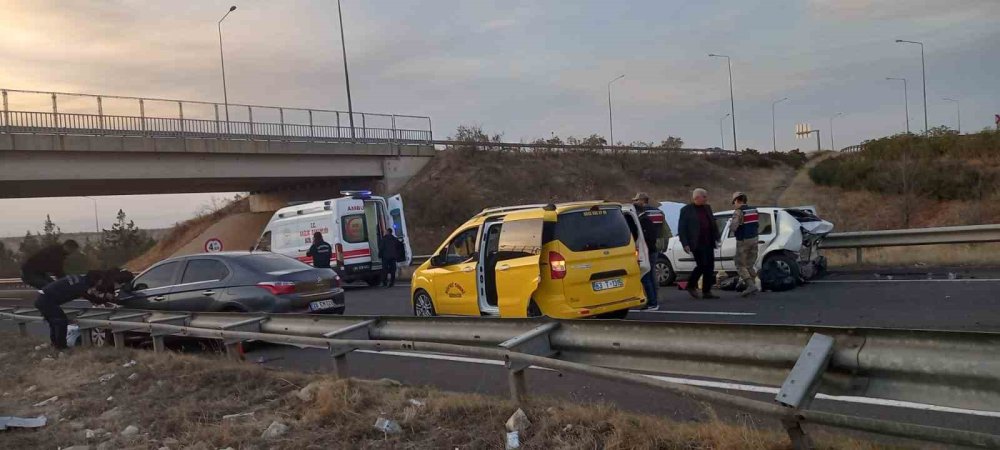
[(423, 306), (100, 337), (665, 274)]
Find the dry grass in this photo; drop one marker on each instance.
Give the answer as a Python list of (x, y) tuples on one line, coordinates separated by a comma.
[(180, 400), (984, 254), (184, 232)]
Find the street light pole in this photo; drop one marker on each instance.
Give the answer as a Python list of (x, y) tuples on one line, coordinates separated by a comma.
[(347, 79), (732, 101), (774, 135), (722, 130), (832, 146), (923, 76), (958, 109), (906, 102), (222, 59), (611, 121), (97, 225)]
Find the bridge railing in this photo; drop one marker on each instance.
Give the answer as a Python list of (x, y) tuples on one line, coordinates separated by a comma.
[(367, 127)]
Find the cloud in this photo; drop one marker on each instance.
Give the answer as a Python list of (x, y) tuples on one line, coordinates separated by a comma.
[(903, 9)]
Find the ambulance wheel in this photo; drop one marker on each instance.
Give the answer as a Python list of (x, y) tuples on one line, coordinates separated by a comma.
[(373, 280), (423, 306)]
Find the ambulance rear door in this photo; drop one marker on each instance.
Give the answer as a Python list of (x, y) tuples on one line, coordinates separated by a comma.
[(352, 247), (399, 226)]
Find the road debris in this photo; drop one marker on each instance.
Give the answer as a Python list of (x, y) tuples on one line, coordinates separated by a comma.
[(130, 431), (47, 401), (237, 416), (518, 421), (106, 378), (133, 377), (415, 402), (275, 430), (22, 422), (388, 426), (129, 364), (513, 440)]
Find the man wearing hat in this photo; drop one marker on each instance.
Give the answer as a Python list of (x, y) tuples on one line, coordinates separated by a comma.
[(651, 221), (744, 221)]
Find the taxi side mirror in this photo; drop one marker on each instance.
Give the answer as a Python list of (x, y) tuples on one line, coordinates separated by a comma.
[(438, 260)]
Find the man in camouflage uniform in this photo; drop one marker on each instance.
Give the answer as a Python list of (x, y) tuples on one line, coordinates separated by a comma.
[(744, 221)]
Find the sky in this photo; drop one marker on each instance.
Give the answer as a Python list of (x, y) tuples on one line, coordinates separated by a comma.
[(526, 69)]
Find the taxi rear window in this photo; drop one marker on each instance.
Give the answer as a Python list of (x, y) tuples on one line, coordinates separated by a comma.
[(592, 229)]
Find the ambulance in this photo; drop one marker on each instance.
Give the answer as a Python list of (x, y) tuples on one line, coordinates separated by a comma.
[(353, 225)]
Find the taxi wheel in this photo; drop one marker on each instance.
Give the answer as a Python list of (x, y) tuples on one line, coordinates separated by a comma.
[(423, 306), (534, 310)]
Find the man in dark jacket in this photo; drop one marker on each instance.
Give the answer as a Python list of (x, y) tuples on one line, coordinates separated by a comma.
[(651, 221), (96, 287), (699, 234), (320, 252), (390, 251), (40, 268)]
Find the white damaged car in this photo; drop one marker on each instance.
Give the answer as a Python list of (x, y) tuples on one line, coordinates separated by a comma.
[(789, 246)]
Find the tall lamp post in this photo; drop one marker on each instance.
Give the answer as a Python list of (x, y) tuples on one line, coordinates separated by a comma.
[(958, 110), (923, 75), (611, 121), (222, 59), (722, 130), (832, 146), (906, 102), (732, 101), (774, 135), (347, 78), (97, 225)]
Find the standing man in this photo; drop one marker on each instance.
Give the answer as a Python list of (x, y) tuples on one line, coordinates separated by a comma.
[(744, 221), (40, 268), (96, 286), (320, 251), (390, 251), (651, 221), (699, 234)]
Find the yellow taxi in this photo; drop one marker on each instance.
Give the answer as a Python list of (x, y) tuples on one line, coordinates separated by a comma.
[(567, 260)]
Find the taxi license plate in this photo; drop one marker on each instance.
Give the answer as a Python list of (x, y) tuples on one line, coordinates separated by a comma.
[(322, 304), (604, 285)]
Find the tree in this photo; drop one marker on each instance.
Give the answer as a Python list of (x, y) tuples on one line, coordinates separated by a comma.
[(594, 141), (672, 142), (9, 266), (474, 133), (29, 246), (50, 232), (122, 242)]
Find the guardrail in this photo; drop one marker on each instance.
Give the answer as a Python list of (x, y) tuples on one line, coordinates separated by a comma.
[(312, 124), (860, 240), (957, 369)]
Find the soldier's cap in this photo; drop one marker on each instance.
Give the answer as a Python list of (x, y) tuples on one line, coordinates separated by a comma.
[(737, 195), (640, 196)]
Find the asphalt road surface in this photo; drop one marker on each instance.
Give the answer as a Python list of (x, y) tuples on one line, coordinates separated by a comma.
[(927, 299)]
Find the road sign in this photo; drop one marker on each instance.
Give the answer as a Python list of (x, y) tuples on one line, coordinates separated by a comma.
[(213, 245), (802, 130)]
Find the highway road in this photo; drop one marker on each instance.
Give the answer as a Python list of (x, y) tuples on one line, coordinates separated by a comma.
[(928, 299)]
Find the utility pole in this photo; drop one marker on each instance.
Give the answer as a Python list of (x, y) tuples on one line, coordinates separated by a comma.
[(722, 130), (347, 79), (832, 146), (774, 134), (906, 102), (222, 59), (958, 110), (732, 101), (923, 76), (611, 120)]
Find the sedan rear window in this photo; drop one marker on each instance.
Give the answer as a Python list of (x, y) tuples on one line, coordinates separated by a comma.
[(271, 263), (593, 229)]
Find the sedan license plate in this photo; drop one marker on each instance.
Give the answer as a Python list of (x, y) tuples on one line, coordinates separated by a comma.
[(322, 304), (604, 285)]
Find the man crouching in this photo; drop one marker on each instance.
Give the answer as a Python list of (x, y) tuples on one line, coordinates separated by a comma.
[(97, 287)]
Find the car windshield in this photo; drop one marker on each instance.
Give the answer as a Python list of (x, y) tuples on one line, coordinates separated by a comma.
[(593, 229), (272, 263)]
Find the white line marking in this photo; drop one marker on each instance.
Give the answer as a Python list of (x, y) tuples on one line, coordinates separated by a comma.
[(719, 385), (708, 313), (960, 280)]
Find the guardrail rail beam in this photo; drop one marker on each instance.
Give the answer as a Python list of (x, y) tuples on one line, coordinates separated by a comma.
[(534, 342)]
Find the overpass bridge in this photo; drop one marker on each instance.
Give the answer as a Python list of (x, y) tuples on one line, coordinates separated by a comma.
[(71, 147)]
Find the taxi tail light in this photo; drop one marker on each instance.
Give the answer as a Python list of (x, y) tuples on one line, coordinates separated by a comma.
[(340, 254), (557, 265), (278, 287)]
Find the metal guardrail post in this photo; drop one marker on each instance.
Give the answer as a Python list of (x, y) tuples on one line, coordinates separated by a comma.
[(250, 112), (142, 115), (281, 116), (395, 136), (180, 112), (218, 127), (859, 252), (233, 346), (6, 111), (430, 130), (338, 124), (802, 383), (311, 133), (55, 112), (158, 344), (360, 330), (100, 113), (534, 342), (86, 339)]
